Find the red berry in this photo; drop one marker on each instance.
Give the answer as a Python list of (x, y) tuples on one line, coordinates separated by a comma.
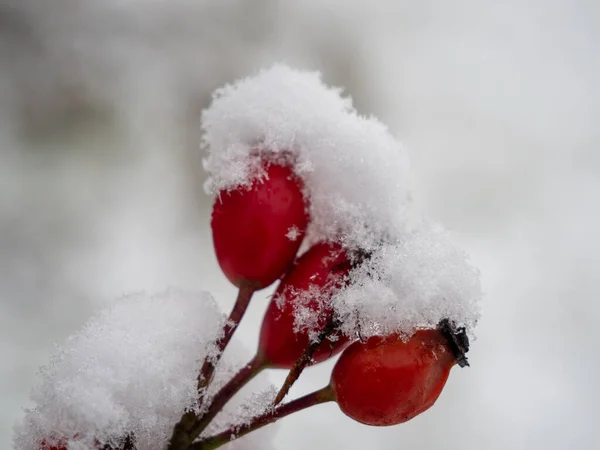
[(386, 381), (257, 230), (60, 445), (309, 284)]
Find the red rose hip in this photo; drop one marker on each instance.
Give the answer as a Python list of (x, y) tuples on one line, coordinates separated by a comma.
[(309, 285), (386, 381), (57, 446), (61, 445), (257, 230)]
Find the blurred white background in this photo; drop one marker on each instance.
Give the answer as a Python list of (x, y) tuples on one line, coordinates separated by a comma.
[(498, 102)]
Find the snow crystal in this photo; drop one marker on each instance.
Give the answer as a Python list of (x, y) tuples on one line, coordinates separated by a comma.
[(293, 233), (132, 368), (354, 171), (412, 283)]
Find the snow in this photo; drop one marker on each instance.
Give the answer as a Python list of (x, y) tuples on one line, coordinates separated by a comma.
[(354, 171), (356, 182), (132, 368), (414, 282)]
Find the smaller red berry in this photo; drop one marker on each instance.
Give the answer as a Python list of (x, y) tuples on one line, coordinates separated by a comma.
[(257, 230), (309, 286), (60, 445), (387, 381)]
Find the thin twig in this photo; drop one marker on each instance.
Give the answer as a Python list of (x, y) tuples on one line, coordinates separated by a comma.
[(184, 432), (208, 368), (246, 373), (315, 398), (305, 359)]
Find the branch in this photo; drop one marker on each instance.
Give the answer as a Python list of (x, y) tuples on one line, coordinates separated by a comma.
[(246, 373), (315, 398), (185, 431), (305, 359), (208, 368)]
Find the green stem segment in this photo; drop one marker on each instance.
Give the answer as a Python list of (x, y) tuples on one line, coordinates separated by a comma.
[(315, 398)]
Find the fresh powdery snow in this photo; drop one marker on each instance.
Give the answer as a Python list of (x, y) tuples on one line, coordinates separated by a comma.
[(412, 282), (355, 172), (356, 183), (133, 367)]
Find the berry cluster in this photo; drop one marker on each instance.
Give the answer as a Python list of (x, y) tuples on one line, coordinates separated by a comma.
[(258, 230), (312, 199)]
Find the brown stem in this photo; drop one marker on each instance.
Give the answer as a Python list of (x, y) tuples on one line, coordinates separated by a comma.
[(246, 373), (184, 431), (315, 398), (191, 426), (208, 368), (129, 442), (331, 326), (305, 359)]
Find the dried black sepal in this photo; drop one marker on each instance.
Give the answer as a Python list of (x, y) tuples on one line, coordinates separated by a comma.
[(458, 340)]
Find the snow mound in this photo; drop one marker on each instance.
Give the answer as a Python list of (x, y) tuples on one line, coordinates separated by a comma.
[(132, 368), (414, 282)]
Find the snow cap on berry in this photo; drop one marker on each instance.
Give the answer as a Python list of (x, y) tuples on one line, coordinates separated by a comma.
[(354, 170), (414, 282), (356, 179)]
